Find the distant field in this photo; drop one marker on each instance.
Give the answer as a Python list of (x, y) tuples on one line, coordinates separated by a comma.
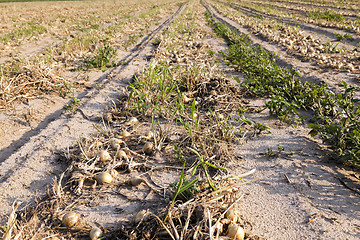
[(8, 1)]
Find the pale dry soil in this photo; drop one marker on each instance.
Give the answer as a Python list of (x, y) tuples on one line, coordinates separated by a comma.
[(300, 192), (303, 195)]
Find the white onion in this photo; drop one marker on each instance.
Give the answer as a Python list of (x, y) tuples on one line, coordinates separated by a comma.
[(136, 180), (122, 155), (70, 219), (104, 177), (95, 233), (235, 232), (104, 156), (132, 121), (115, 143)]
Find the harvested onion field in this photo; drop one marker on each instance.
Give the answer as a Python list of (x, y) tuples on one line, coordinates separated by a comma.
[(217, 119)]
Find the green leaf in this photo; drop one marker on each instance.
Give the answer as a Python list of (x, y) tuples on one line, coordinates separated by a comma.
[(213, 166)]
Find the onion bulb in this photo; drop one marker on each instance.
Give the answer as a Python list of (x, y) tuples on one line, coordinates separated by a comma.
[(147, 149), (231, 215), (104, 156), (95, 233), (104, 177), (149, 135), (70, 219), (115, 143), (125, 134), (122, 155), (235, 232), (186, 99), (136, 180), (132, 121)]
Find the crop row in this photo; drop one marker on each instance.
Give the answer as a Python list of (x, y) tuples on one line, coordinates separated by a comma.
[(308, 10), (346, 4), (336, 115), (296, 41), (321, 17)]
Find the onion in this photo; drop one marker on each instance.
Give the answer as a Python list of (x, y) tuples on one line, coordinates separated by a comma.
[(95, 233), (122, 155), (70, 219), (104, 156), (149, 135), (147, 149), (125, 134), (115, 143), (136, 180), (186, 99), (132, 121), (104, 177), (235, 232), (231, 215)]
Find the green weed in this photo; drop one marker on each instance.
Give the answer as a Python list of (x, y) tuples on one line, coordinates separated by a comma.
[(326, 15), (25, 30), (337, 116), (104, 58), (340, 37), (74, 102)]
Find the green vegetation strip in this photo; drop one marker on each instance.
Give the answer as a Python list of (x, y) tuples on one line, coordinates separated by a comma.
[(337, 116)]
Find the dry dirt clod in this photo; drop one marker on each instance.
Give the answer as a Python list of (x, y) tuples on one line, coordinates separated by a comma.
[(70, 219), (143, 215)]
